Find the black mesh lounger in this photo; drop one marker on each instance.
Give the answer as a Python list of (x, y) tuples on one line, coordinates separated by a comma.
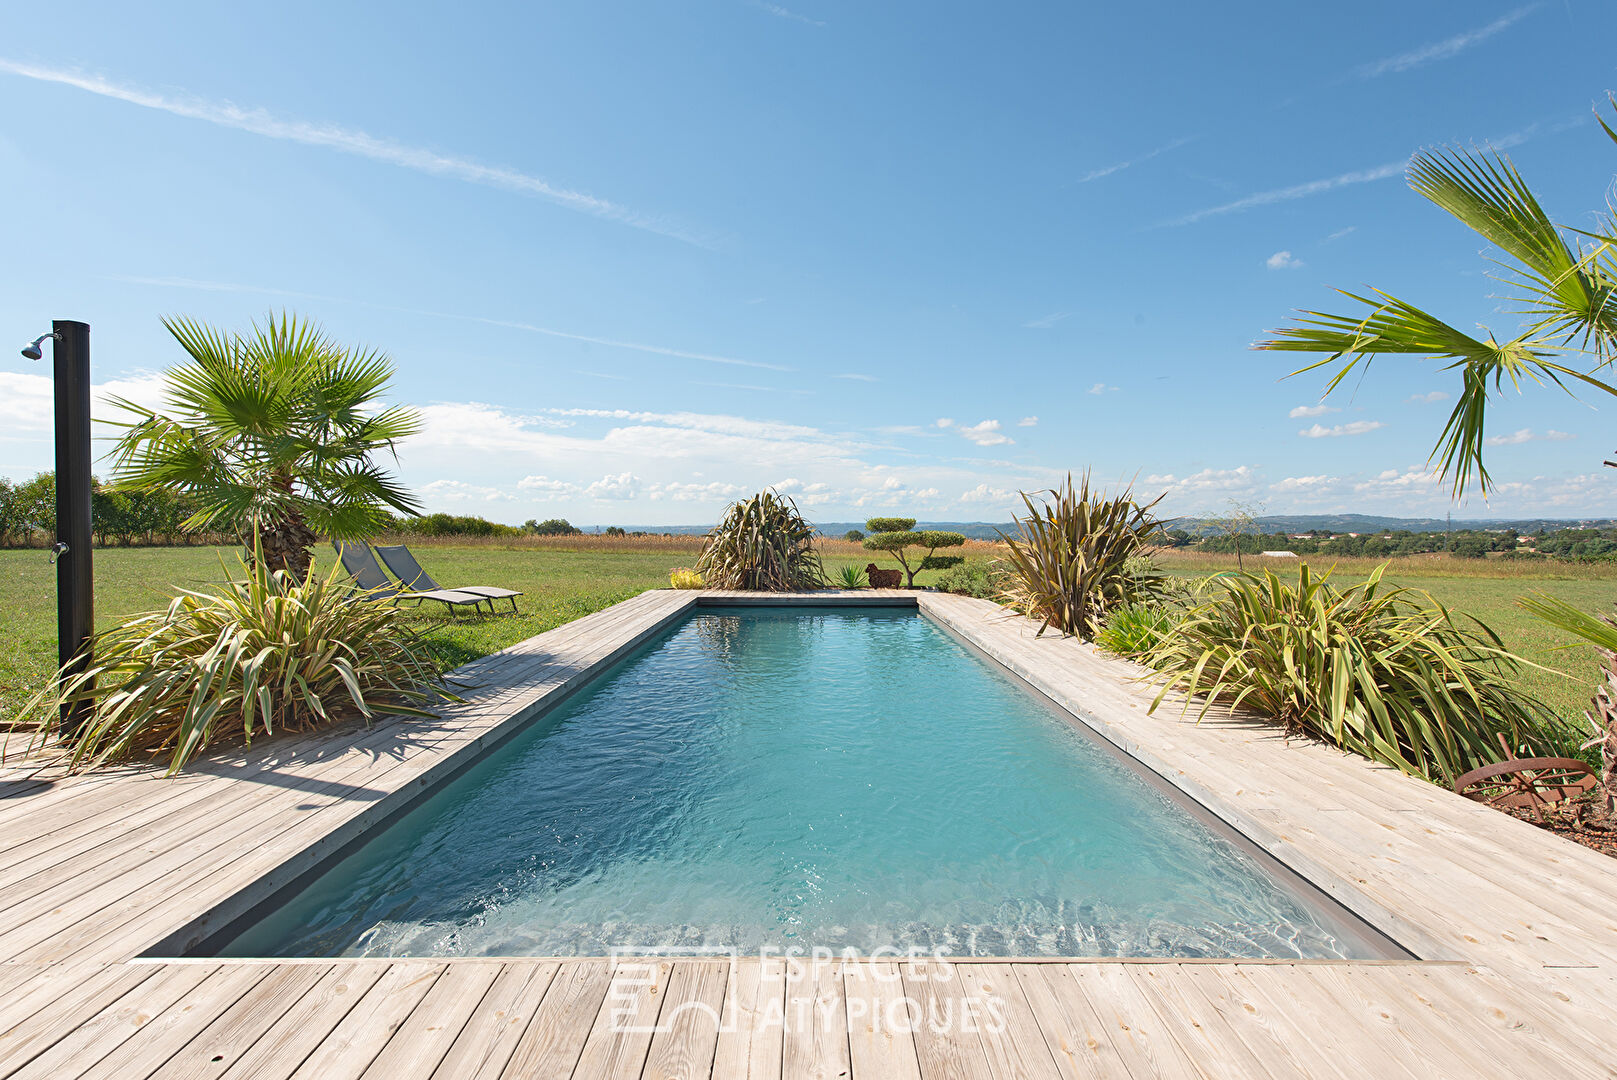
[(361, 564), (407, 570)]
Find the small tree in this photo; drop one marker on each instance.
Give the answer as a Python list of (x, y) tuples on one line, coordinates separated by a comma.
[(853, 534), (1240, 523), (894, 535), (551, 527)]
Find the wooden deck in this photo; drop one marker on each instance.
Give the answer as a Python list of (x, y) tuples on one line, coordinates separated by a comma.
[(1516, 928)]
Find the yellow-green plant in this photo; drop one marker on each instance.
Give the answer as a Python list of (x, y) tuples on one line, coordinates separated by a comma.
[(1381, 670), (264, 654), (1077, 555), (1134, 629), (685, 578), (762, 543)]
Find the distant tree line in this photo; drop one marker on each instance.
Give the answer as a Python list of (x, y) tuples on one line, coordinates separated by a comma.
[(1464, 543), (121, 518)]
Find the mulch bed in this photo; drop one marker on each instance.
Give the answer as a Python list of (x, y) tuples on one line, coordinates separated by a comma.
[(1585, 821)]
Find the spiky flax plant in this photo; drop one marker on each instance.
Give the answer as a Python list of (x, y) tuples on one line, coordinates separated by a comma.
[(762, 543), (1078, 555)]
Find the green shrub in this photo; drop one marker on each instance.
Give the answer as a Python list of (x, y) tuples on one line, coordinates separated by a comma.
[(852, 577), (974, 577), (269, 653), (1134, 629), (552, 527), (1078, 555), (853, 535), (762, 543), (1383, 671)]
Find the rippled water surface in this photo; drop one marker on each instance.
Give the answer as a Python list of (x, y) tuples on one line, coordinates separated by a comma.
[(840, 778)]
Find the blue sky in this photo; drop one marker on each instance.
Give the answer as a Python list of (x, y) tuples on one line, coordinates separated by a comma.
[(633, 260)]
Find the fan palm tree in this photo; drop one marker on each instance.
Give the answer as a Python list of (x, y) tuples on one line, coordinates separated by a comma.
[(1565, 281), (272, 433)]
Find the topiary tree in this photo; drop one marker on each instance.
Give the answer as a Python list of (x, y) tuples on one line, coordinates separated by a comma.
[(894, 535)]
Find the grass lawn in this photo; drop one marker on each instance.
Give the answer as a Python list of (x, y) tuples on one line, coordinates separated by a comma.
[(565, 579)]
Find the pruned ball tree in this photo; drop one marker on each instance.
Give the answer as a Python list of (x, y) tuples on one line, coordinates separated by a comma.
[(896, 535)]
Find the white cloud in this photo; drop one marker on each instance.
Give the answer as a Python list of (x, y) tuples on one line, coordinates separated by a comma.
[(985, 433), (450, 491), (1296, 191), (1339, 233), (711, 492), (624, 485), (945, 422), (542, 487), (1207, 481), (781, 13), (1516, 438), (1353, 427), (1119, 166), (857, 377), (1311, 410), (1046, 322), (1428, 398), (1028, 421), (1448, 47), (1282, 260), (348, 141), (984, 493), (1101, 388), (28, 401), (1303, 484)]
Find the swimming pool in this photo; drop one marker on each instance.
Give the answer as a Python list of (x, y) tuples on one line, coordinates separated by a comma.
[(782, 778)]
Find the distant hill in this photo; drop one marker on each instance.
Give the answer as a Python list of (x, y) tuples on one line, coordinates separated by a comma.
[(1365, 523), (1286, 523)]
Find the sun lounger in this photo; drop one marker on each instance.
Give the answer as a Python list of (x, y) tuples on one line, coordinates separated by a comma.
[(361, 564), (407, 570)]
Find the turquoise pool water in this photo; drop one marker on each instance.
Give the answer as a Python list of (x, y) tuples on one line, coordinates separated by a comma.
[(781, 778)]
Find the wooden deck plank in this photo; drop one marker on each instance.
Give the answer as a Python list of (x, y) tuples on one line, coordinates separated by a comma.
[(615, 1048), (220, 1045), (688, 1026), (87, 1042), (293, 1037), (751, 1035), (38, 1014), (489, 1038), (1009, 1031), (881, 1029), (814, 1045), (361, 1035), (421, 1042), (1200, 1028), (947, 1043), (1144, 1041), (554, 1038), (167, 1033)]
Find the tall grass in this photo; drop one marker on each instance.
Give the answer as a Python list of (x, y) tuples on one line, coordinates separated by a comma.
[(254, 656), (1383, 671)]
